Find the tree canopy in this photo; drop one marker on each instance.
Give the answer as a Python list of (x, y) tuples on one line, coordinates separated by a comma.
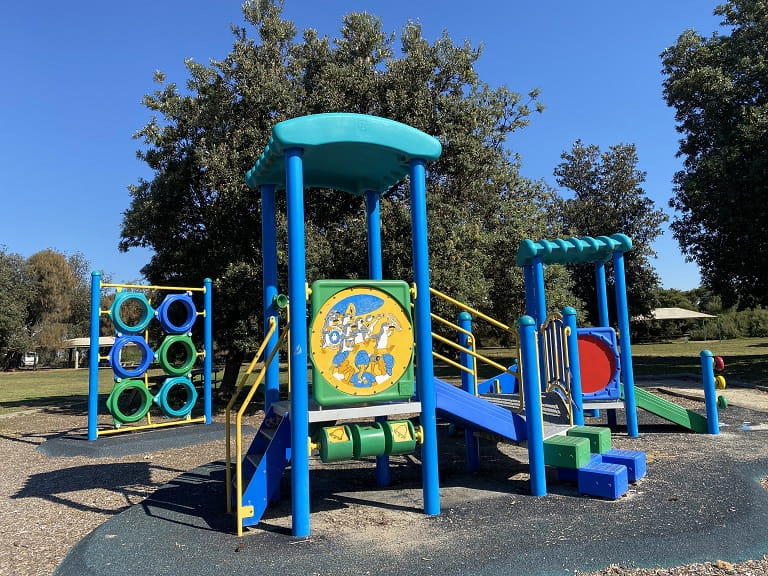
[(201, 219), (44, 299), (718, 87), (14, 298), (608, 199)]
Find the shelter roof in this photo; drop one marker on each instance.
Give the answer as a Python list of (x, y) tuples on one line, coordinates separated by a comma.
[(86, 342), (674, 314), (349, 152)]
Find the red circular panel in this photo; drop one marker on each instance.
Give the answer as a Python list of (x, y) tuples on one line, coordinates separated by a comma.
[(598, 363)]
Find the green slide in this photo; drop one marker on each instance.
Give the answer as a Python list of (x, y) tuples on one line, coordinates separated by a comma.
[(670, 411)]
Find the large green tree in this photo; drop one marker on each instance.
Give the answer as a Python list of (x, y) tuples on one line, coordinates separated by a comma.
[(201, 219), (50, 308), (608, 198), (718, 87), (43, 300), (15, 295)]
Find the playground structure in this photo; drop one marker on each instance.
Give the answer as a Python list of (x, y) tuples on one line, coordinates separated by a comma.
[(604, 359), (131, 398), (370, 342)]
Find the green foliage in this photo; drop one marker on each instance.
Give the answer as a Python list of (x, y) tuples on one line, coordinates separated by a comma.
[(719, 89), (608, 199), (674, 298), (15, 295), (752, 323), (53, 287), (43, 300), (201, 220)]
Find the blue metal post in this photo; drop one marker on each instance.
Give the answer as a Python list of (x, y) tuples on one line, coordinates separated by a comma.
[(603, 319), (270, 291), (93, 357), (541, 313), (376, 272), (625, 346), (541, 298), (423, 323), (469, 385), (710, 400), (569, 319), (530, 290), (533, 414), (375, 265), (297, 356), (602, 295), (208, 346)]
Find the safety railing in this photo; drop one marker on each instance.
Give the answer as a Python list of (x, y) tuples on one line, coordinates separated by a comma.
[(557, 370), (241, 411), (466, 344)]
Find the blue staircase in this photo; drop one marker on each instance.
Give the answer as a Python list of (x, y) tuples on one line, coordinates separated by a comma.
[(262, 468)]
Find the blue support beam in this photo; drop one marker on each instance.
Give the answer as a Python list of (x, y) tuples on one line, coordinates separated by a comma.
[(297, 296), (93, 358), (423, 323), (625, 345), (270, 290)]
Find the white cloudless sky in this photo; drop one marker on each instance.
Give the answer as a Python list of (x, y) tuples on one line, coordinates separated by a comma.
[(74, 75)]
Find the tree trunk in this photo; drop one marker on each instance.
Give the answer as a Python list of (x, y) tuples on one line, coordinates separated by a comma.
[(232, 366)]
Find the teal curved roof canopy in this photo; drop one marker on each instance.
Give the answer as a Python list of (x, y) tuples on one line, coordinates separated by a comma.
[(344, 151)]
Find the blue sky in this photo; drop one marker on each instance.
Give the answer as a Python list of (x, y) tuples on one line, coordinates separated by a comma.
[(75, 74)]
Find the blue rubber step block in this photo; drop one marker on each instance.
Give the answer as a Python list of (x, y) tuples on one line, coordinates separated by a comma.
[(632, 459), (603, 480), (572, 474)]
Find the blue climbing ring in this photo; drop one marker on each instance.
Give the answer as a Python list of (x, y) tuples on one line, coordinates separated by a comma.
[(185, 301), (162, 397), (147, 356), (147, 313), (190, 354)]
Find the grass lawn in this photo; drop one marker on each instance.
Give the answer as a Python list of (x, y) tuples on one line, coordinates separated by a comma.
[(33, 388), (746, 360)]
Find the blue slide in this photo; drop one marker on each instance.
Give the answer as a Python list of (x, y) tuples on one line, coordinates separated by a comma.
[(472, 412)]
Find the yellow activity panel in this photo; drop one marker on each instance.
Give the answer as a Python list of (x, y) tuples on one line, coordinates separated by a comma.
[(361, 341)]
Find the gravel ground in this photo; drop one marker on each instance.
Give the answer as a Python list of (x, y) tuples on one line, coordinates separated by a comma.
[(48, 504)]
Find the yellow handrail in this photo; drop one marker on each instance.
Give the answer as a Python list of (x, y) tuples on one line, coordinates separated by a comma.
[(469, 348), (231, 403), (239, 430), (473, 311)]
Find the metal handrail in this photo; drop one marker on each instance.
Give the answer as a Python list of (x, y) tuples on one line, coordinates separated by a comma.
[(557, 366), (469, 349), (239, 430), (231, 403), (473, 311)]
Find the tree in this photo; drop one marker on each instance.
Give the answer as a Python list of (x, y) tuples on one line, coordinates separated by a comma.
[(43, 300), (201, 220), (79, 319), (50, 308), (608, 199), (719, 89), (15, 295)]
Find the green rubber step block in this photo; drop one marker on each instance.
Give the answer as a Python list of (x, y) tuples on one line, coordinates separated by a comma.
[(599, 437), (566, 451)]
